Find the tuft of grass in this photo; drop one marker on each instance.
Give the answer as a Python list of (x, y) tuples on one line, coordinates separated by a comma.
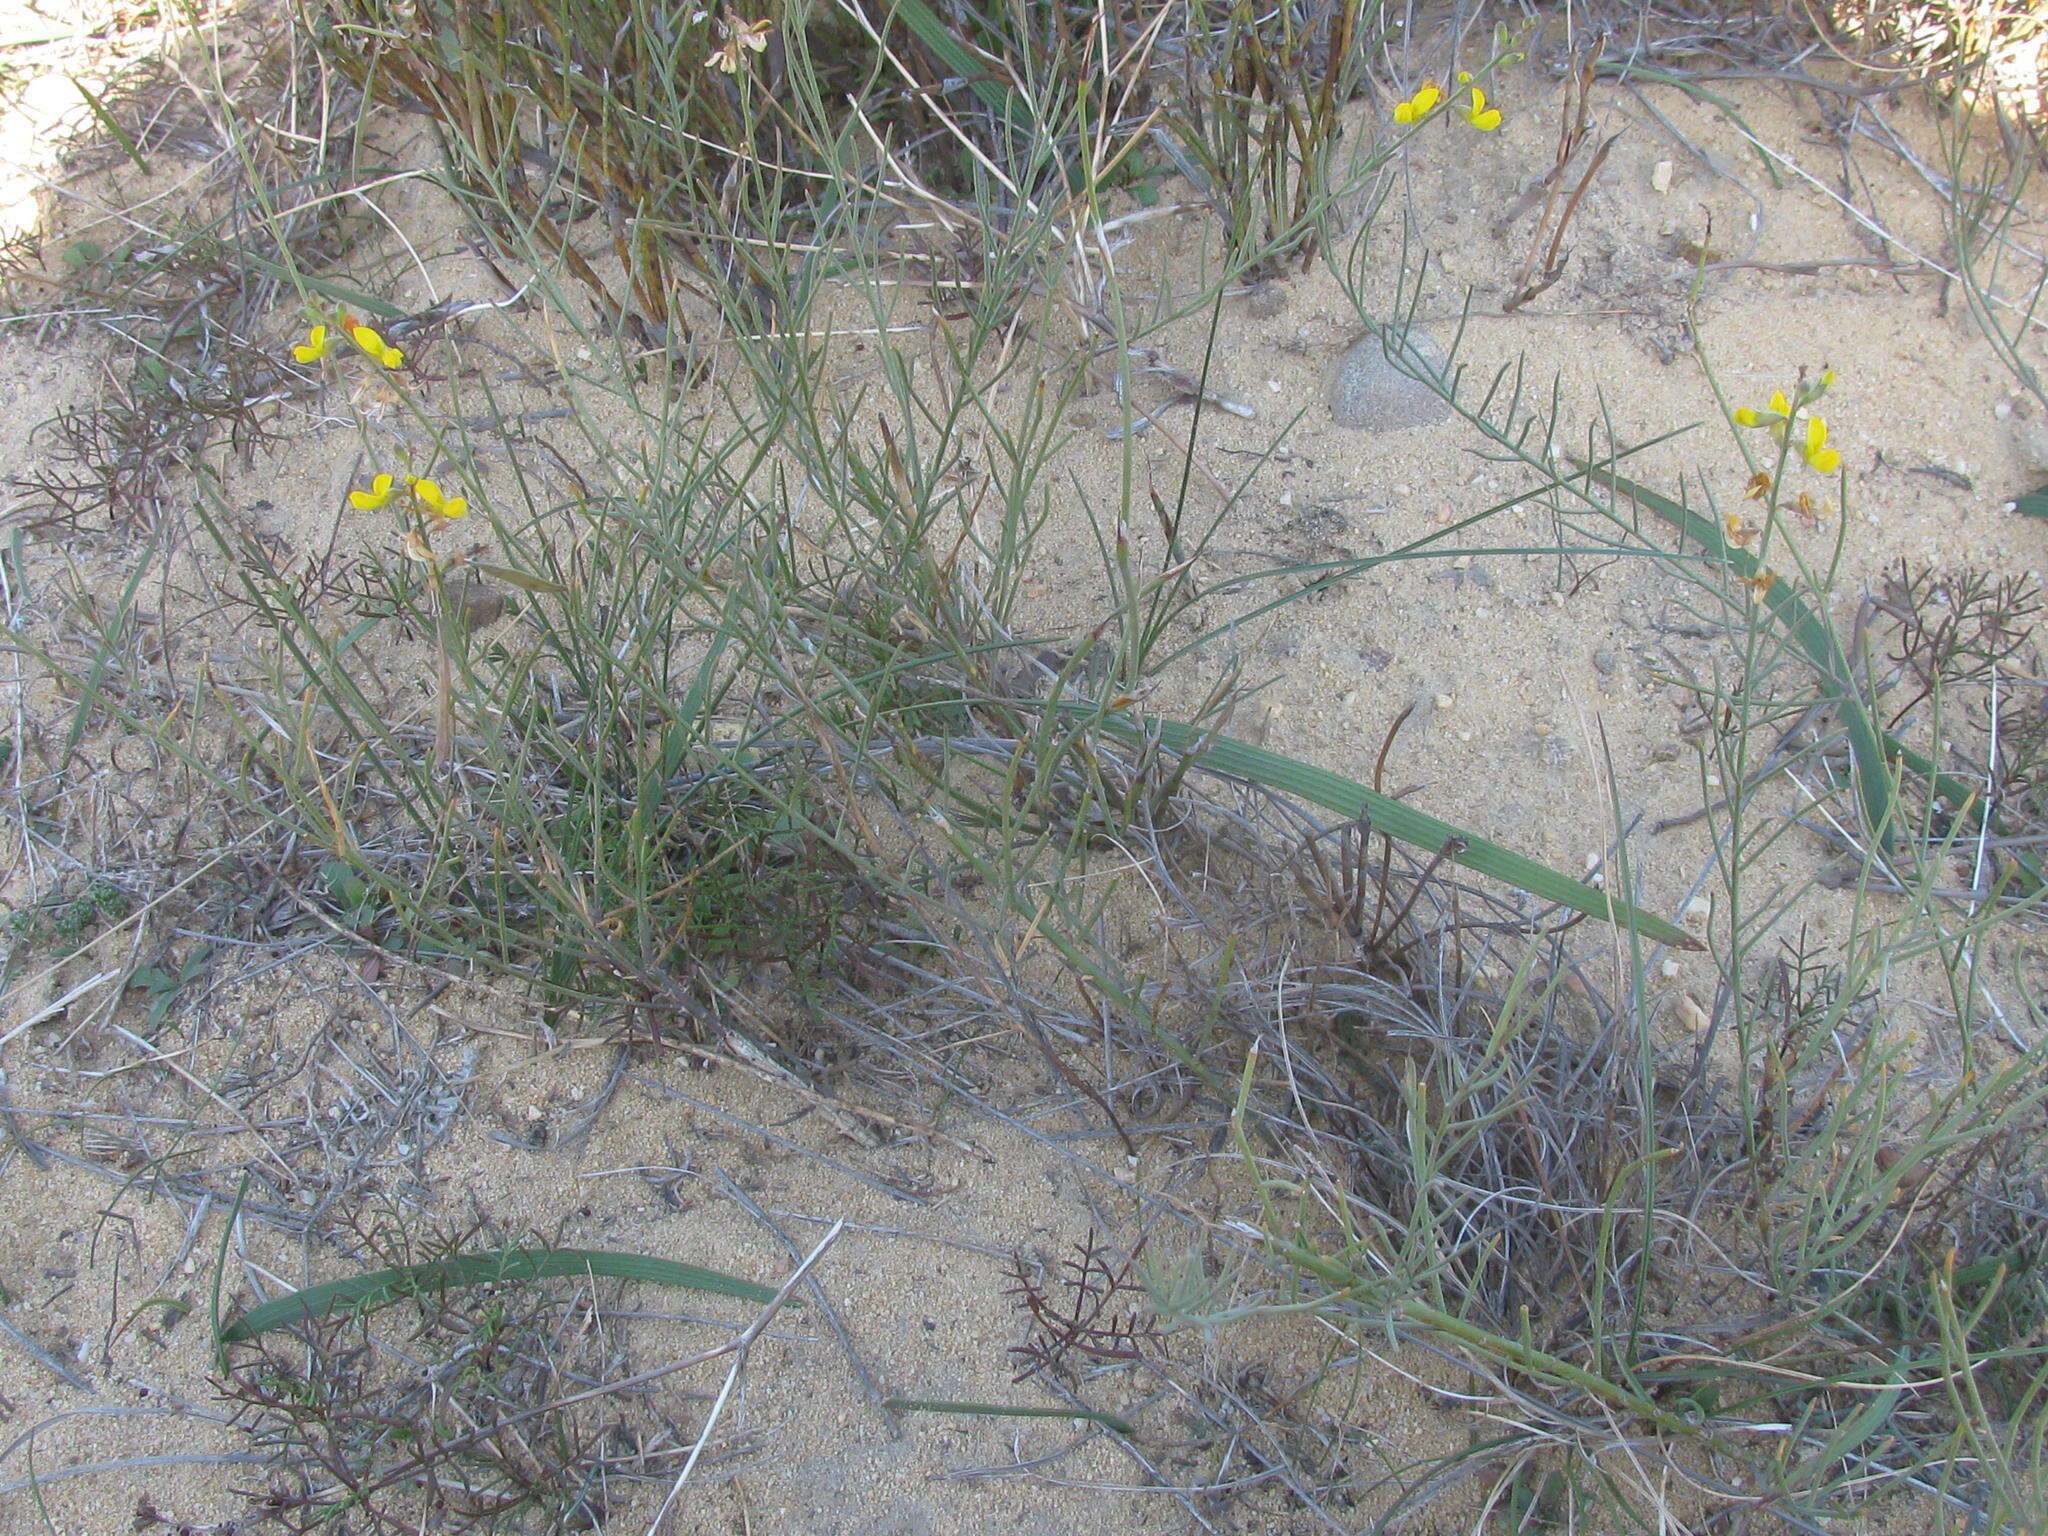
[(396, 1402)]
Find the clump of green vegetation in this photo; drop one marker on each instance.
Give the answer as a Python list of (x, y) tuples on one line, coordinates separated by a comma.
[(776, 753), (65, 922), (452, 1391)]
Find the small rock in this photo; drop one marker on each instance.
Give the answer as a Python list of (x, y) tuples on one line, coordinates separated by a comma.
[(1479, 575), (477, 603), (1607, 663), (1444, 701), (1840, 875), (1374, 388), (1660, 177)]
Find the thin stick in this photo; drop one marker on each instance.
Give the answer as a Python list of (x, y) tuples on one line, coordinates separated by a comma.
[(737, 1348), (869, 1388)]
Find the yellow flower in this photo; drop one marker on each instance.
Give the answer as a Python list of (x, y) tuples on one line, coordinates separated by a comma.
[(1775, 417), (375, 346), (1420, 105), (316, 345), (429, 496), (1480, 115), (1819, 456), (739, 36), (376, 496)]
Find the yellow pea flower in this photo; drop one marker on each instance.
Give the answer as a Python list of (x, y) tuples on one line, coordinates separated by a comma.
[(375, 346), (1775, 417), (1420, 105), (376, 496), (1480, 115), (1819, 456), (316, 345), (429, 496)]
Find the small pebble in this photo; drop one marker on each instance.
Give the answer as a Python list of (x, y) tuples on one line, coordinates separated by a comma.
[(1444, 701), (1660, 177), (1699, 906), (1374, 389), (478, 603), (1669, 969), (1606, 663)]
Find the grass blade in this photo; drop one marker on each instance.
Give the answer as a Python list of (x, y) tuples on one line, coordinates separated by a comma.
[(1873, 750), (1332, 791), (106, 121), (466, 1269), (1814, 636)]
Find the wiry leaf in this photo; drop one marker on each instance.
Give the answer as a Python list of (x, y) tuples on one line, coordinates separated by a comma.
[(361, 1292)]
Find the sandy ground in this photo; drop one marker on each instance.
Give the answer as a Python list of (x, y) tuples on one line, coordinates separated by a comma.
[(1529, 686)]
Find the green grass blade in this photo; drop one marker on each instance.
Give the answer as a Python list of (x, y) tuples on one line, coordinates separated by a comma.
[(1305, 781), (999, 1410), (1873, 750), (466, 1269), (106, 121), (327, 288), (995, 95), (1814, 636), (956, 56)]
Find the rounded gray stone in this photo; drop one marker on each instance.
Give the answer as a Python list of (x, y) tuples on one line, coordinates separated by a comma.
[(1374, 388)]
